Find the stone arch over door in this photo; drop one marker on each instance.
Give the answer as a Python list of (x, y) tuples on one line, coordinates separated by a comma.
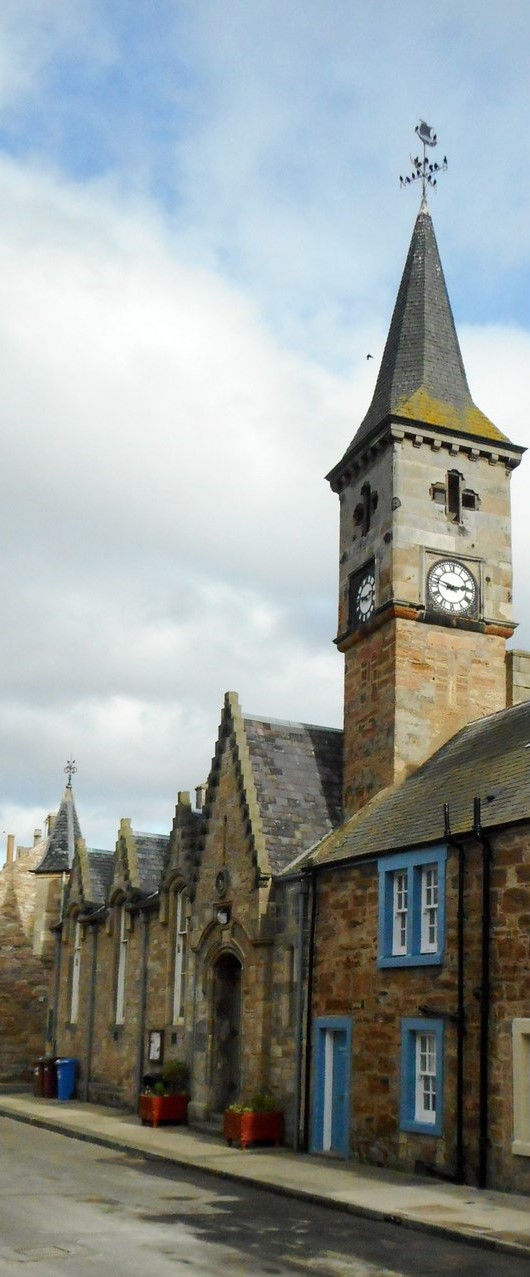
[(226, 1036)]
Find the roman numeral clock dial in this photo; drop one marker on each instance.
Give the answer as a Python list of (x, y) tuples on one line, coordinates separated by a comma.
[(362, 596), (451, 588)]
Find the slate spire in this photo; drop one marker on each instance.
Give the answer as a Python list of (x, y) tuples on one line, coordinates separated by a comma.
[(422, 376), (61, 842)]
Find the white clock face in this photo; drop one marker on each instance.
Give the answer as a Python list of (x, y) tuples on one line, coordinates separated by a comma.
[(452, 588), (365, 597)]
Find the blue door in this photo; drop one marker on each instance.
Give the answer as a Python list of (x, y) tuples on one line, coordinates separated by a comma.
[(331, 1093)]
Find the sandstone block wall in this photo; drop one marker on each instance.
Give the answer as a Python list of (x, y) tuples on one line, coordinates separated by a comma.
[(24, 973), (408, 687), (347, 982)]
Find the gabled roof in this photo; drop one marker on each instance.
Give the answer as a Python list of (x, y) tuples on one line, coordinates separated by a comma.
[(422, 375), (488, 759), (99, 865), (138, 861), (184, 843), (151, 851), (60, 845), (297, 771), (289, 778), (90, 877)]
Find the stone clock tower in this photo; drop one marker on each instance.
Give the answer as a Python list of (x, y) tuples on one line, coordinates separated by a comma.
[(425, 585)]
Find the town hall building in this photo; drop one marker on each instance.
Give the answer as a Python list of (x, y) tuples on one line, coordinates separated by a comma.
[(343, 918)]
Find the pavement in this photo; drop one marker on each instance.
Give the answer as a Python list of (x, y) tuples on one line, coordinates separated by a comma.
[(500, 1221)]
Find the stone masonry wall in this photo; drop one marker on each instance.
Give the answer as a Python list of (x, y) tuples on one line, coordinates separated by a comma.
[(24, 975), (408, 687), (348, 982), (248, 936)]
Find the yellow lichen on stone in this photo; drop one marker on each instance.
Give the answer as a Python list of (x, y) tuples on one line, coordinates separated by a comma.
[(422, 406)]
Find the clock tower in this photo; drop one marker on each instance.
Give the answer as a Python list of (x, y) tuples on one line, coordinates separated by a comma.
[(425, 576)]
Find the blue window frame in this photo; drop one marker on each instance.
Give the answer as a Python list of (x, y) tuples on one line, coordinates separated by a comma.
[(422, 1076), (412, 908)]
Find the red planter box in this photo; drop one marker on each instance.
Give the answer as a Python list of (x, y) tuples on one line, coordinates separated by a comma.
[(155, 1109), (252, 1128)]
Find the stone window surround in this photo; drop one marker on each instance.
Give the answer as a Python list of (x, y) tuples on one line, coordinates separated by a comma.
[(121, 964), (410, 1029), (179, 953), (521, 1086), (75, 977), (412, 863)]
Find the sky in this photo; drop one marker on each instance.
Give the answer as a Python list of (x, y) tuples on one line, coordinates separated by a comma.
[(201, 238)]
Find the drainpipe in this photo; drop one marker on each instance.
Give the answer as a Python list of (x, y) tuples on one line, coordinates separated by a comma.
[(310, 961), (58, 953), (484, 999), (299, 1010), (460, 1008), (194, 1022)]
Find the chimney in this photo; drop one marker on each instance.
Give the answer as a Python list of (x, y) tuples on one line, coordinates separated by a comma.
[(10, 849), (37, 835), (200, 796), (49, 822)]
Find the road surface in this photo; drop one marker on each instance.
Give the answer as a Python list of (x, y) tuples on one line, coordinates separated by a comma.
[(73, 1209)]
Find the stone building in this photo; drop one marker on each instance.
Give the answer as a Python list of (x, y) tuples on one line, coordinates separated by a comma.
[(421, 899), (344, 917), (193, 937), (31, 898)]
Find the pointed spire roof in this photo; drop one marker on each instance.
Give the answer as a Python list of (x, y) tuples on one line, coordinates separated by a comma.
[(60, 847), (422, 375)]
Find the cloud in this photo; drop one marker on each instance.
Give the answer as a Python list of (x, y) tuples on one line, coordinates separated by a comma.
[(201, 238), (162, 457)]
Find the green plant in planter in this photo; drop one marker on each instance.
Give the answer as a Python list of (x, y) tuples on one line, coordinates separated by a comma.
[(175, 1077), (260, 1102), (164, 1097), (259, 1120)]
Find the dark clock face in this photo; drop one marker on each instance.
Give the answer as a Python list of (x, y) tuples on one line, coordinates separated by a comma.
[(452, 588), (364, 598)]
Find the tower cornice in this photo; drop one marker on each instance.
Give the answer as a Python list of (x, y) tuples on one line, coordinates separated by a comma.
[(396, 428)]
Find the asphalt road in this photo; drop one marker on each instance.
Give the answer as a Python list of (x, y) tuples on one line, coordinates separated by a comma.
[(73, 1208)]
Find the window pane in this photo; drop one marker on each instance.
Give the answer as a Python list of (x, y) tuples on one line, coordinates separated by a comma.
[(400, 925), (426, 1077), (429, 909)]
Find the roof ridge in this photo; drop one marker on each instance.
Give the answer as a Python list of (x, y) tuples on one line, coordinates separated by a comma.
[(288, 722)]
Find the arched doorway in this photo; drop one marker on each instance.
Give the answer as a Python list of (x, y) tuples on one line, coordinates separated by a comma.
[(226, 1063)]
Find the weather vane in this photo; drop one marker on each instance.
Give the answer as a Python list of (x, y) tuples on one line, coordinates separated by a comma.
[(422, 169), (70, 768)]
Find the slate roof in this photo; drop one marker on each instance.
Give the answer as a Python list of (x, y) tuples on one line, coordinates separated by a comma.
[(100, 871), (297, 770), (489, 759), (422, 375), (60, 845), (151, 851)]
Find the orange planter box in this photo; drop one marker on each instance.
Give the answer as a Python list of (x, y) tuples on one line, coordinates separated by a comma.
[(253, 1128), (155, 1109)]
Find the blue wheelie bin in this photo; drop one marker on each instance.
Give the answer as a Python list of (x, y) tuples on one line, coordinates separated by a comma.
[(66, 1071)]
